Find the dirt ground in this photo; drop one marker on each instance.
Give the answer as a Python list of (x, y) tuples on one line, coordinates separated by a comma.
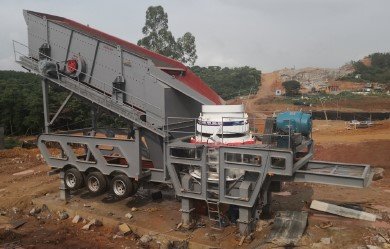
[(265, 99), (254, 104), (333, 142), (23, 177), (44, 230)]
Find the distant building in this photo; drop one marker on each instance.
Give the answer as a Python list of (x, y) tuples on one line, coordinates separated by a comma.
[(369, 85), (367, 90), (378, 88), (333, 89)]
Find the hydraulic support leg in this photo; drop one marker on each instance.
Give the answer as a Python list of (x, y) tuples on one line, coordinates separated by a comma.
[(246, 214), (64, 192), (187, 205), (94, 117), (265, 199), (45, 89), (186, 212)]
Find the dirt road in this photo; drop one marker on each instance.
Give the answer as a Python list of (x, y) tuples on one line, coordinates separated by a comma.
[(266, 101), (270, 82)]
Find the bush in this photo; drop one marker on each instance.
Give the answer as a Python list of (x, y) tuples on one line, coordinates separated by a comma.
[(292, 87), (378, 71), (10, 143), (230, 82)]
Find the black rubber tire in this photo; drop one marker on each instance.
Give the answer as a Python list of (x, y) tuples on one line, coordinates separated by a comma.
[(135, 187), (275, 186), (74, 179), (96, 183), (266, 210), (121, 186)]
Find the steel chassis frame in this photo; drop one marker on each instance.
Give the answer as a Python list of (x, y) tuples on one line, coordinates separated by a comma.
[(250, 194)]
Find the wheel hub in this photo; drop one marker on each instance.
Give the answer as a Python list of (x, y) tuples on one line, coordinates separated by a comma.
[(119, 187), (93, 184), (70, 180)]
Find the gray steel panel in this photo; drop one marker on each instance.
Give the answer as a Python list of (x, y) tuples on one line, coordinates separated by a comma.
[(154, 96), (157, 175), (155, 148), (148, 90), (85, 47), (178, 85), (303, 161), (175, 178), (265, 168), (345, 181), (128, 148), (334, 173), (257, 184), (184, 106), (287, 228), (106, 66), (37, 32), (137, 67), (144, 82), (98, 98), (59, 38), (188, 162), (288, 156), (261, 170), (134, 72)]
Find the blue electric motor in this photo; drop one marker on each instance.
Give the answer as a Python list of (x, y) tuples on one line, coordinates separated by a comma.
[(297, 122)]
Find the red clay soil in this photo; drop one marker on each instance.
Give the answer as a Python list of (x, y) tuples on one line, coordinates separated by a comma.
[(375, 153), (333, 143)]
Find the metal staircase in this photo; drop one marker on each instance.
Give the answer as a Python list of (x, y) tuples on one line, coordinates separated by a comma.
[(102, 98)]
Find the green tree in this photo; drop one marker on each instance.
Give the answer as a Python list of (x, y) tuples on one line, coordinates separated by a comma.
[(21, 108), (20, 102), (377, 71), (292, 87), (230, 82), (159, 39), (188, 48)]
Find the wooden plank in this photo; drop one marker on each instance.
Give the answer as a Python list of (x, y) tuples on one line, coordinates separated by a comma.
[(341, 211), (17, 223)]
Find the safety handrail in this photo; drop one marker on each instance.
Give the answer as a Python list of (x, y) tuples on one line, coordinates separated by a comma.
[(101, 94), (196, 120), (87, 75)]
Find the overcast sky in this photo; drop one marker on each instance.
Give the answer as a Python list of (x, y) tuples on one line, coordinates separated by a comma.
[(268, 35)]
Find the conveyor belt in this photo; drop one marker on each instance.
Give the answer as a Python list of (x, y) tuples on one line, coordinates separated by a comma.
[(341, 174), (98, 97)]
